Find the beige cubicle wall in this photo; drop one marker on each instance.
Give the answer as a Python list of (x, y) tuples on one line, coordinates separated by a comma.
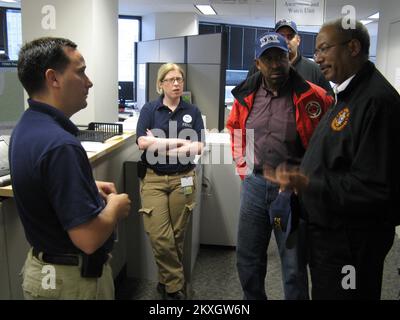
[(11, 94), (4, 273)]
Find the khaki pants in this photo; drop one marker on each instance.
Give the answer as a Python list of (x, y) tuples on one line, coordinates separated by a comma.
[(43, 281), (166, 211)]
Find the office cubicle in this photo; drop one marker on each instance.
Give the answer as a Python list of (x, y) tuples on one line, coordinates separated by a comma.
[(11, 93), (204, 58)]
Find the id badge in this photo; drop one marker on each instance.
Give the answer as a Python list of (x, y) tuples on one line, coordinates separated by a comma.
[(186, 182), (187, 185), (187, 190)]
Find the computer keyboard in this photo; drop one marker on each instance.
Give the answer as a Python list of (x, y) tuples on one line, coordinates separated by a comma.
[(95, 136)]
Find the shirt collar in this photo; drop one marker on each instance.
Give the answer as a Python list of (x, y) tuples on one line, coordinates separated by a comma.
[(181, 104), (337, 88), (341, 87), (56, 114), (285, 87)]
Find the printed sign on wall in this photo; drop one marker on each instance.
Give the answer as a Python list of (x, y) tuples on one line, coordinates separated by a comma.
[(303, 12)]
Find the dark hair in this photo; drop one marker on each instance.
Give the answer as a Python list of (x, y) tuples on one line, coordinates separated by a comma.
[(39, 55), (360, 33)]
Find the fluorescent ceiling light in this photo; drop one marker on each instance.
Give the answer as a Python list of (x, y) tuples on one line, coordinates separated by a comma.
[(205, 9), (11, 1), (364, 22), (374, 16)]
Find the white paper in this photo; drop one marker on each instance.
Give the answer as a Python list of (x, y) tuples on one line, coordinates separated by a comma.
[(91, 146), (186, 181)]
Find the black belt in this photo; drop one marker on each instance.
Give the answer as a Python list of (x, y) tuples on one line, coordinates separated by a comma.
[(171, 173), (63, 259)]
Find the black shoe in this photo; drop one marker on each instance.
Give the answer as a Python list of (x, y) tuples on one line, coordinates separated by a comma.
[(161, 290), (178, 295)]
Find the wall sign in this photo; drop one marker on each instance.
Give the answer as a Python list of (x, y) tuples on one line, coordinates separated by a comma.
[(303, 12)]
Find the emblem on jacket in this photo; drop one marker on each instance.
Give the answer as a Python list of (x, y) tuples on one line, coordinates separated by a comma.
[(313, 109), (341, 119), (187, 118)]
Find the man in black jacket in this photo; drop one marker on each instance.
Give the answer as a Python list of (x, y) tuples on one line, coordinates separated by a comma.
[(308, 69), (349, 176)]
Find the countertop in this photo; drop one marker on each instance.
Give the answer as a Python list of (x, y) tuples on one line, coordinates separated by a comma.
[(99, 151)]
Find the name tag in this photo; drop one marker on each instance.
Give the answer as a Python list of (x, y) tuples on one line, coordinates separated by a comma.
[(186, 181)]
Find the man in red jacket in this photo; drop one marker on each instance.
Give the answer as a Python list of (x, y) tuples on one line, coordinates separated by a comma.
[(273, 117)]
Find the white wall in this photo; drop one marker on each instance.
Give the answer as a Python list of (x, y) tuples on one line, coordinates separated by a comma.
[(388, 13), (148, 27), (169, 25), (388, 44), (93, 26)]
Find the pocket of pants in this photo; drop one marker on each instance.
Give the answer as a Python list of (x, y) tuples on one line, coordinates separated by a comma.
[(146, 211), (189, 207), (141, 185), (40, 285)]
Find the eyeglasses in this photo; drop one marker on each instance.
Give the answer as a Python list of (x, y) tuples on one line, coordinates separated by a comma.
[(324, 50), (172, 80)]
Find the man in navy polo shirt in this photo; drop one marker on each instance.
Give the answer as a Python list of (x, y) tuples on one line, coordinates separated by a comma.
[(68, 217)]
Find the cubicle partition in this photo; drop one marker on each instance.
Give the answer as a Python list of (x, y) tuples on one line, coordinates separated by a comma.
[(11, 93), (204, 58)]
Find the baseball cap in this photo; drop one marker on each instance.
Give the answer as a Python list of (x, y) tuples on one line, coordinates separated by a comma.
[(284, 213), (286, 23), (270, 40)]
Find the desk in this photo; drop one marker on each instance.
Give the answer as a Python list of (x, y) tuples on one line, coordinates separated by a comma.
[(108, 147), (107, 165)]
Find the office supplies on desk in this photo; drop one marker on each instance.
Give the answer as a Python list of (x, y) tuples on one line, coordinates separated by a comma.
[(100, 131)]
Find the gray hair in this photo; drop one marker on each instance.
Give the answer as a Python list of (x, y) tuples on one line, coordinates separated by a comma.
[(360, 33)]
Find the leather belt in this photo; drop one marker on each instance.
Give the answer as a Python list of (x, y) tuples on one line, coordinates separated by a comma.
[(171, 173), (62, 259)]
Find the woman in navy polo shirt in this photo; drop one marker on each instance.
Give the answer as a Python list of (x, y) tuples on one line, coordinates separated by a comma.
[(169, 130)]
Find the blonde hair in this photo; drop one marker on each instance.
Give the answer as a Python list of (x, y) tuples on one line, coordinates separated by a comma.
[(162, 72)]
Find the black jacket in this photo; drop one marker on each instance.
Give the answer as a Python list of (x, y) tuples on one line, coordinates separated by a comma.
[(351, 159)]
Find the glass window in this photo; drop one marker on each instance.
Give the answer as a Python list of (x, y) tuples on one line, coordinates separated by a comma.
[(128, 34), (14, 33)]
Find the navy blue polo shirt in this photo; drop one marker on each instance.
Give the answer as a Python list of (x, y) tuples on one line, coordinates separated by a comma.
[(52, 179), (185, 122)]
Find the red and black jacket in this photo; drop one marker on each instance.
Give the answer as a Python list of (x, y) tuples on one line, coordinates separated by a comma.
[(310, 101)]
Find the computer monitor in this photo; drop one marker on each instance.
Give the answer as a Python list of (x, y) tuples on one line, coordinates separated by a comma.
[(125, 90), (234, 77)]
